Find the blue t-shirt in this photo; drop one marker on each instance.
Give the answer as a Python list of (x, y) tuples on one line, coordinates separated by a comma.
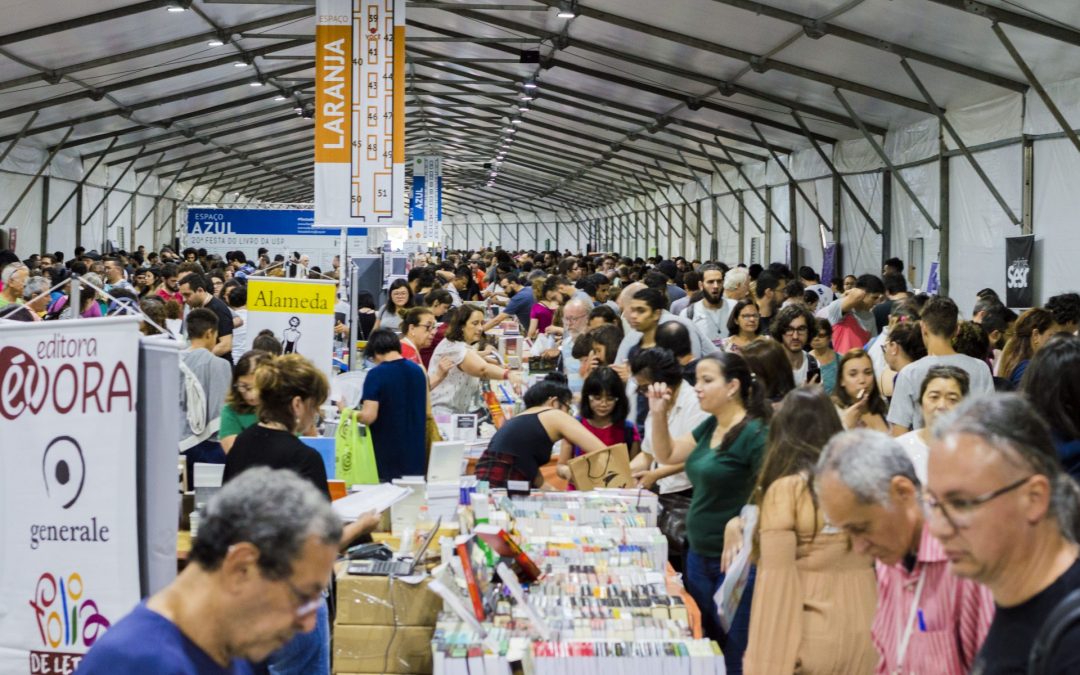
[(521, 304), (398, 432), (146, 642)]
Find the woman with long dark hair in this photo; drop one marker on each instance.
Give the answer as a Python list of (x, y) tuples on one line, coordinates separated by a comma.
[(1030, 332), (857, 397), (815, 598), (722, 457), (1052, 384)]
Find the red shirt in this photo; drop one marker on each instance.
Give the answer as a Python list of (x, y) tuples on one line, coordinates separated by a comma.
[(426, 352), (408, 351), (166, 296)]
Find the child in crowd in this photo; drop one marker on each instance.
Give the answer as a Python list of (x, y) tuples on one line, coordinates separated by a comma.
[(604, 411)]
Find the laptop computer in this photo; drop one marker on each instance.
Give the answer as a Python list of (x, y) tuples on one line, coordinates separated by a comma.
[(400, 567)]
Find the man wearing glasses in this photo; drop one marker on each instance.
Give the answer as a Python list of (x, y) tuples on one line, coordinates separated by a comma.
[(791, 329), (1005, 514), (927, 620), (256, 578)]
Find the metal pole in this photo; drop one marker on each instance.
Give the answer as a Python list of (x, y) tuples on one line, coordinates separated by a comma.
[(943, 231), (18, 137), (791, 179), (738, 167), (945, 124), (836, 174), (731, 188), (884, 158), (886, 215), (157, 200), (41, 170), (1028, 187), (113, 186), (1036, 85), (134, 192)]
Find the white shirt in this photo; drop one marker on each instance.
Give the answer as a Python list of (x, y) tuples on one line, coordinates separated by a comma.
[(834, 312), (711, 322), (800, 372), (917, 451), (685, 416)]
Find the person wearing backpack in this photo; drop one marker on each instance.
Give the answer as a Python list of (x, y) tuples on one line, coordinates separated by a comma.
[(204, 381)]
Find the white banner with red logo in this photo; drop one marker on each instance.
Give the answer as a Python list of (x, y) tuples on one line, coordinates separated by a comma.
[(69, 555)]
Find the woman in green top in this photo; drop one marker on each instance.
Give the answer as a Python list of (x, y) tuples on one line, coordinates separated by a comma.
[(722, 457), (239, 411)]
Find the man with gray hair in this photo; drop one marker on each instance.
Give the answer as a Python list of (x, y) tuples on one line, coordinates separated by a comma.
[(13, 279), (36, 297), (737, 284), (258, 570), (927, 620), (1005, 513)]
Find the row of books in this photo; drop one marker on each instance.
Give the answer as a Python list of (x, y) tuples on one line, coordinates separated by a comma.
[(595, 597)]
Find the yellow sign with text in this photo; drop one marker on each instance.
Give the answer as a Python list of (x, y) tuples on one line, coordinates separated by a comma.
[(290, 297)]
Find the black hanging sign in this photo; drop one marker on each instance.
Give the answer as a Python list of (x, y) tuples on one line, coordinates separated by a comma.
[(1019, 271)]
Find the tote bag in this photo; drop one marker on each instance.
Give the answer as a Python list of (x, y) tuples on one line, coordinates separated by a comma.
[(354, 454)]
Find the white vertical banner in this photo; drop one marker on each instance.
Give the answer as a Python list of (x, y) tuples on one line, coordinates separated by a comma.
[(360, 113), (300, 313), (69, 549), (425, 218)]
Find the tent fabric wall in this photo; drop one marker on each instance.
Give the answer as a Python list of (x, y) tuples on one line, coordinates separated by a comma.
[(978, 226), (1056, 205), (860, 247), (779, 239), (809, 233)]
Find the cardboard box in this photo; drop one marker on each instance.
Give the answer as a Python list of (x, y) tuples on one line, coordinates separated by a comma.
[(382, 649), (374, 601)]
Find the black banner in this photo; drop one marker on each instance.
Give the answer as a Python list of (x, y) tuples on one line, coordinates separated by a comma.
[(1019, 271)]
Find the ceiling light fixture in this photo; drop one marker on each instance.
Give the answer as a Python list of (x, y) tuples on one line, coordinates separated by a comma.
[(567, 9), (517, 120), (215, 43), (279, 98), (240, 64), (522, 108), (530, 84), (177, 8), (255, 84)]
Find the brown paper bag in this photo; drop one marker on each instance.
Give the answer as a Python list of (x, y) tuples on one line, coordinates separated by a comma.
[(607, 468)]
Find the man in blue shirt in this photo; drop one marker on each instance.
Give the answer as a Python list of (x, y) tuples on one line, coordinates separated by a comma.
[(256, 577), (521, 298)]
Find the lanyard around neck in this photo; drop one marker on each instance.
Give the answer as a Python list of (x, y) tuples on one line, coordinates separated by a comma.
[(909, 628)]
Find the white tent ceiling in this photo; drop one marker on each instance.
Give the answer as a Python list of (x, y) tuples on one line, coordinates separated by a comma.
[(631, 91)]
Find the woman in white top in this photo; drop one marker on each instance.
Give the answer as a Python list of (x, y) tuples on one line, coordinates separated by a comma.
[(942, 390), (400, 301), (456, 369)]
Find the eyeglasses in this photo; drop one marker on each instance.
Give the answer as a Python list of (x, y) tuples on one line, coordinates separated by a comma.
[(567, 317), (426, 326), (305, 603), (801, 330), (602, 399), (958, 511)]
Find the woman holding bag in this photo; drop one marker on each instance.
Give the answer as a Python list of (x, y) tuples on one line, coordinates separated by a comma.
[(815, 597)]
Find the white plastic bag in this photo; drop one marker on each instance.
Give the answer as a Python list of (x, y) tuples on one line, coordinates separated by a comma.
[(541, 344), (738, 574)]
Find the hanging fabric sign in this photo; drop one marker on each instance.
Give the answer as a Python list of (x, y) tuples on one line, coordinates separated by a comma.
[(1019, 253), (69, 544), (828, 264), (360, 113), (426, 204), (299, 312)]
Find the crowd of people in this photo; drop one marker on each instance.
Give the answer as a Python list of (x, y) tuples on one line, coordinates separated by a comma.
[(913, 461)]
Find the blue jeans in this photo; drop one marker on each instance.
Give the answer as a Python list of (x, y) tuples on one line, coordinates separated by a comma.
[(703, 579), (307, 653)]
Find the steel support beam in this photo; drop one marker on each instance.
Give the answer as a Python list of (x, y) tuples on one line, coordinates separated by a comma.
[(817, 28), (838, 178), (18, 137), (792, 180), (87, 20), (753, 188), (41, 170), (998, 15), (885, 158), (948, 127), (1029, 75), (738, 197)]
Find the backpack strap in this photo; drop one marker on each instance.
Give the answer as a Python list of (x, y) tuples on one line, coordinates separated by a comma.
[(1066, 616)]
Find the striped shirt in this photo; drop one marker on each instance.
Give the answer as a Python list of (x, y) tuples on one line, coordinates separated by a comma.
[(956, 615)]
